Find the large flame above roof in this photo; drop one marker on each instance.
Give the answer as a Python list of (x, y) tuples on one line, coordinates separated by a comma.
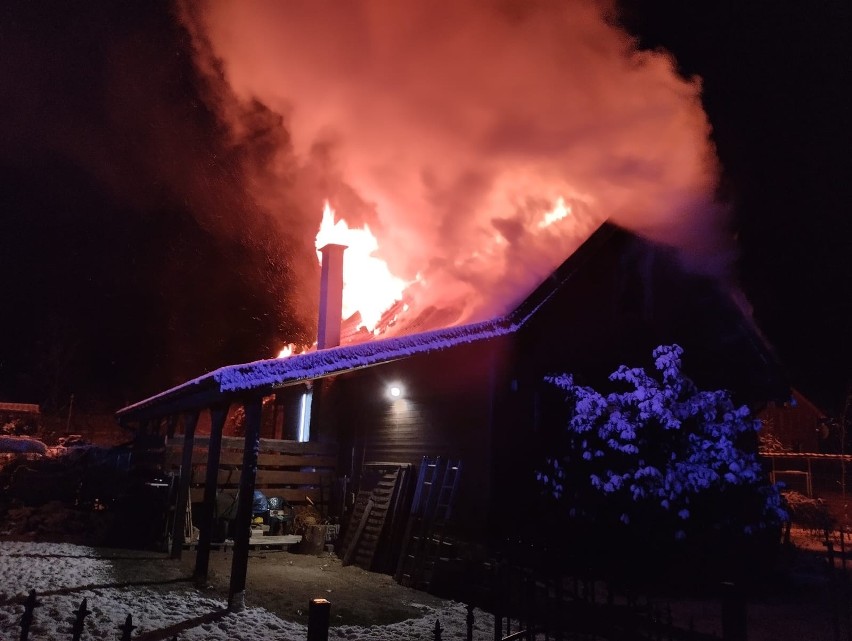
[(376, 300), (479, 142), (369, 287)]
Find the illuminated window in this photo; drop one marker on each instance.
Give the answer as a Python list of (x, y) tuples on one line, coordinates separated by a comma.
[(305, 416)]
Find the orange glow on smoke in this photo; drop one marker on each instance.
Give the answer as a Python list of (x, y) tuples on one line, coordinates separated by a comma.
[(369, 287), (471, 146)]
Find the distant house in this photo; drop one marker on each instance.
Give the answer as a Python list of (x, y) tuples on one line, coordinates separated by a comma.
[(20, 417), (796, 424), (476, 392)]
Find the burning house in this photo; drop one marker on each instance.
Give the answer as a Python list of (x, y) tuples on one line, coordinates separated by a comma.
[(473, 393), (484, 144)]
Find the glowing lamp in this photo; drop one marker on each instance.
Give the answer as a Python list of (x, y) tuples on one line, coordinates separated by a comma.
[(395, 391)]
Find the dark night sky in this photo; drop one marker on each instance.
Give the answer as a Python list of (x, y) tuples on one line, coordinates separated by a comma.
[(115, 287), (776, 78)]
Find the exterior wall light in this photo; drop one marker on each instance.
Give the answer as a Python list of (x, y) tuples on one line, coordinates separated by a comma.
[(394, 391)]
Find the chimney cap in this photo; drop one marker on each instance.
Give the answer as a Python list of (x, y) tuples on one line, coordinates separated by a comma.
[(333, 246)]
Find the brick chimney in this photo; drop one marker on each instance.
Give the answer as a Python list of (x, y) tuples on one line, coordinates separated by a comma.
[(331, 296)]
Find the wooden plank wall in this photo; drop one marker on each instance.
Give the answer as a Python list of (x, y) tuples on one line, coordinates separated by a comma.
[(294, 471)]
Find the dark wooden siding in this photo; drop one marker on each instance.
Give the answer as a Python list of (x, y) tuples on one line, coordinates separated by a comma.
[(630, 296), (445, 410)]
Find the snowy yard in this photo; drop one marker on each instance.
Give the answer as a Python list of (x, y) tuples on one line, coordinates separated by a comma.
[(163, 603), (63, 575)]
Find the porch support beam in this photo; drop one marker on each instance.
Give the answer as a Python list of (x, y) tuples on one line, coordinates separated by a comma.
[(218, 414), (190, 421), (239, 564), (172, 424)]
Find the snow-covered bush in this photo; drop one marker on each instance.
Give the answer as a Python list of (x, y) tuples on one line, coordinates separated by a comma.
[(660, 457)]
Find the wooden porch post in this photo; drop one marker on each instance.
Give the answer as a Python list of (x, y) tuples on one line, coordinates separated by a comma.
[(190, 421), (239, 563), (218, 414), (277, 416), (172, 424)]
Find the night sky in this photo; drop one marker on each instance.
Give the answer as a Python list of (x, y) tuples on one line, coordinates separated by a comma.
[(776, 78), (118, 182)]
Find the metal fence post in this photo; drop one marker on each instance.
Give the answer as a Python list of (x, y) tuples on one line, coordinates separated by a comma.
[(27, 619), (127, 628), (319, 615), (733, 613), (80, 614)]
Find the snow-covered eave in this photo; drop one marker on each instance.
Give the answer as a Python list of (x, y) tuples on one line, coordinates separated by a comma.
[(319, 364), (280, 372), (200, 385)]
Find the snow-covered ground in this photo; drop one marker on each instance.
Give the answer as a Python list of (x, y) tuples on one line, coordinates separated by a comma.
[(63, 575)]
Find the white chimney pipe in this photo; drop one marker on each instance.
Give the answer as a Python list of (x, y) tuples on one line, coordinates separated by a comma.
[(331, 296)]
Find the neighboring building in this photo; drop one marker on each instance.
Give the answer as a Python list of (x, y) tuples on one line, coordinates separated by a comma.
[(20, 418), (476, 392), (797, 425)]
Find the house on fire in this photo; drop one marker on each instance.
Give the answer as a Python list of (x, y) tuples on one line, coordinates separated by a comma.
[(473, 393)]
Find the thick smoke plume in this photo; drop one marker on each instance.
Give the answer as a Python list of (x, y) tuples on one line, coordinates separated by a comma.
[(453, 127)]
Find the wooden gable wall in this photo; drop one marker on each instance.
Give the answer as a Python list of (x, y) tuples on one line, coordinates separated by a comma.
[(445, 410), (631, 296)]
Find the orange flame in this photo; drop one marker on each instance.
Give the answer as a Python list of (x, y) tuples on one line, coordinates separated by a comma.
[(291, 348), (560, 210), (369, 287)]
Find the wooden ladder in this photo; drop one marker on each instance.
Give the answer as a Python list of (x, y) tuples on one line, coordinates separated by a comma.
[(424, 540), (368, 519), (435, 546)]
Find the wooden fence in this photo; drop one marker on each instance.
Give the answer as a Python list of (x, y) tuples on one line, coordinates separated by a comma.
[(300, 473)]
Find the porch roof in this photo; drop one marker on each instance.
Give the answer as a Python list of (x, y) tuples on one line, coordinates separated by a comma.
[(275, 373)]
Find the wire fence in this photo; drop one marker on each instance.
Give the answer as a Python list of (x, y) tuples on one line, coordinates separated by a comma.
[(824, 478)]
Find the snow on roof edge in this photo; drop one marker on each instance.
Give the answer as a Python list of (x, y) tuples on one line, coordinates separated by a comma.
[(172, 391), (330, 361), (321, 363)]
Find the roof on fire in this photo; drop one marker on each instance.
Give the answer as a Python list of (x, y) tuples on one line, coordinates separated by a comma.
[(280, 372)]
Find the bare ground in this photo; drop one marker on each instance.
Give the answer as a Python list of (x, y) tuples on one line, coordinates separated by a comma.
[(284, 583)]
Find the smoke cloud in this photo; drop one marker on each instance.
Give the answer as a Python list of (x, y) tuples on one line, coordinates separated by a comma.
[(134, 250), (453, 127)]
